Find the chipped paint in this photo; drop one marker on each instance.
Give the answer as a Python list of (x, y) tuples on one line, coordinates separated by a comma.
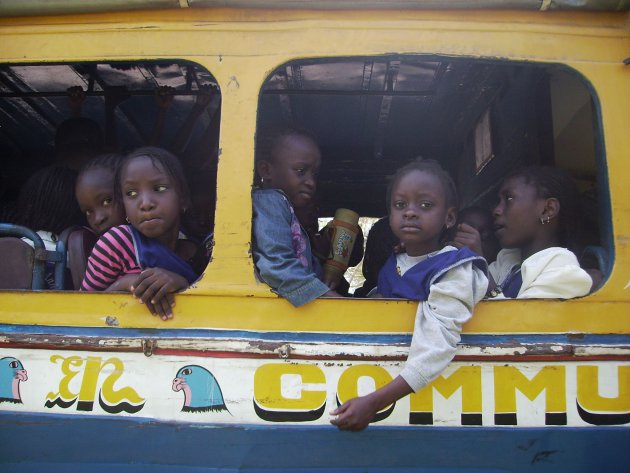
[(300, 349)]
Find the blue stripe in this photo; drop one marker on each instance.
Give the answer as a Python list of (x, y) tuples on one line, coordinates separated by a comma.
[(48, 442), (472, 339)]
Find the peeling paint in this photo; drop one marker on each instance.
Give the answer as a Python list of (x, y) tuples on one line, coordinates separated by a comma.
[(299, 349)]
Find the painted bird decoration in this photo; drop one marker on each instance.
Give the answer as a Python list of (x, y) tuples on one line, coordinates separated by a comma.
[(202, 392), (12, 372)]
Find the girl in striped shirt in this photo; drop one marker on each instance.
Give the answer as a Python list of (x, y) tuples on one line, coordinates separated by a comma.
[(146, 257)]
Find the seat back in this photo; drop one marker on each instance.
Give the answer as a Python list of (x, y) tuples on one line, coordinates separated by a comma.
[(79, 242), (17, 264), (21, 260)]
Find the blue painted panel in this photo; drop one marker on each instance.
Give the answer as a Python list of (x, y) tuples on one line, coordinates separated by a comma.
[(47, 443), (582, 339)]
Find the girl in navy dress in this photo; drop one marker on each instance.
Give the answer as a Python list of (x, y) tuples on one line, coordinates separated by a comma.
[(448, 282)]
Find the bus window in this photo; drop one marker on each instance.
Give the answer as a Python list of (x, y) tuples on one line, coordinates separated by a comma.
[(480, 119), (64, 115)]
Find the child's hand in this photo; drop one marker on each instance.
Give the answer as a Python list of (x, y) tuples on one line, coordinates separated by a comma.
[(468, 236), (76, 96), (330, 281), (155, 288), (206, 93), (355, 414), (164, 96)]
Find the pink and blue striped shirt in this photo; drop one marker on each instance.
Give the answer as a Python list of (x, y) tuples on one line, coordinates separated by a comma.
[(113, 256)]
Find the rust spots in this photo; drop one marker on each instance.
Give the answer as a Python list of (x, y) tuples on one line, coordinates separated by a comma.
[(233, 83)]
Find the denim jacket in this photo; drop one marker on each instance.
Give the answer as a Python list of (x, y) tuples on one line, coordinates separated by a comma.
[(282, 251)]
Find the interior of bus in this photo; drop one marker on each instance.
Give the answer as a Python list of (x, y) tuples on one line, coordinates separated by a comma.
[(479, 118)]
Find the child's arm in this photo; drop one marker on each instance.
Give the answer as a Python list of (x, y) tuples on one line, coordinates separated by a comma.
[(439, 323), (123, 283), (436, 333), (76, 96), (112, 256), (114, 96), (274, 255), (204, 98), (164, 96)]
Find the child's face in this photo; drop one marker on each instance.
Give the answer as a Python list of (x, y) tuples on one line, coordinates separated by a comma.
[(516, 216), (95, 194), (152, 200), (418, 212), (293, 169)]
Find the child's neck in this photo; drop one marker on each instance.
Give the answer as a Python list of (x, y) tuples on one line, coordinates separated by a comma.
[(538, 245), (169, 240), (422, 250)]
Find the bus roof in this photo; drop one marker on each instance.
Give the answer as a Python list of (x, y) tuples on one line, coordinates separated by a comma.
[(60, 7)]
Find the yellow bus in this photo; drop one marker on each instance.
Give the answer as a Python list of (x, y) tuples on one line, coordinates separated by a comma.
[(91, 380)]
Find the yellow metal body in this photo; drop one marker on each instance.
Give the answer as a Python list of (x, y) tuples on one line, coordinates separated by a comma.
[(240, 48)]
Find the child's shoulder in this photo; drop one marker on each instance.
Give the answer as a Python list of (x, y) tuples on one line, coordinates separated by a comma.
[(271, 199), (554, 255), (450, 258), (458, 255), (117, 232), (119, 229), (269, 194)]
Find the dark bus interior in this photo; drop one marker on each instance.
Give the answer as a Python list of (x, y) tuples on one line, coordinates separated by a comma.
[(479, 118)]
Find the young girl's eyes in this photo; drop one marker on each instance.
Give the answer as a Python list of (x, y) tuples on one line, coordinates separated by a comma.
[(426, 205), (399, 204), (107, 202), (131, 193), (160, 188), (300, 171)]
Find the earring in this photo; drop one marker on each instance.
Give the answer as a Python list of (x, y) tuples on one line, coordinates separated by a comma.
[(545, 220), (127, 218)]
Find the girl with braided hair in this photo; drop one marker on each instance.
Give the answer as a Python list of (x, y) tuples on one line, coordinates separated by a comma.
[(537, 223)]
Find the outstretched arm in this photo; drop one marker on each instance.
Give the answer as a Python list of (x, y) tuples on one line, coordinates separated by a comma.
[(436, 333)]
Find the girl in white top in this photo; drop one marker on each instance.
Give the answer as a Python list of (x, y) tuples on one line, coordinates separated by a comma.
[(536, 220)]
